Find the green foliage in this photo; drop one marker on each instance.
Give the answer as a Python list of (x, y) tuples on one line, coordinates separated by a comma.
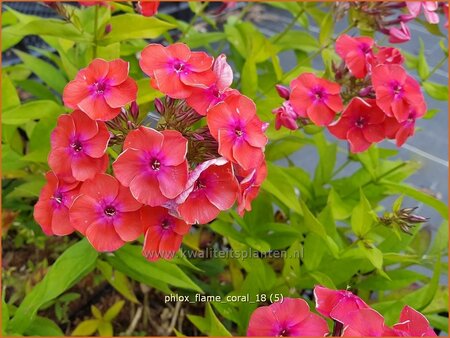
[(320, 226)]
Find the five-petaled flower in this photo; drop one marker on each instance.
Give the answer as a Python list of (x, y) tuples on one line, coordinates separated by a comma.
[(211, 188), (101, 89), (78, 146), (106, 213), (153, 165), (51, 211), (288, 318), (315, 98), (361, 124), (201, 99), (356, 52), (175, 70), (163, 233), (239, 131), (396, 91)]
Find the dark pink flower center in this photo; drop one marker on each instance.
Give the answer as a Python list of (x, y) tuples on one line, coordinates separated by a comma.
[(365, 48), (99, 87), (110, 211), (155, 164), (179, 66), (166, 224), (77, 146), (238, 132), (198, 185), (397, 89), (319, 94), (58, 197), (284, 333), (360, 122)]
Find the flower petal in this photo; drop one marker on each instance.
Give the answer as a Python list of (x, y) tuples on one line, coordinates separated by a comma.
[(103, 236), (122, 94)]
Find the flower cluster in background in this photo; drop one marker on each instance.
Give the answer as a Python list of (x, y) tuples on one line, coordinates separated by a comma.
[(351, 316), (391, 18), (205, 154), (371, 99)]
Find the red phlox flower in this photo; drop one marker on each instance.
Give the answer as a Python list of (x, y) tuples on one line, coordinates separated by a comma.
[(153, 164), (396, 91), (365, 322), (106, 213), (51, 211), (356, 52), (336, 304), (239, 131), (289, 318), (401, 131), (148, 8), (211, 188), (316, 98), (388, 55), (101, 89), (201, 99), (285, 116), (163, 234), (361, 124), (413, 324), (174, 69), (399, 35), (429, 10), (249, 184), (78, 146)]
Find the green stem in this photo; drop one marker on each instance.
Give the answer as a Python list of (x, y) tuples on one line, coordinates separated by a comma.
[(289, 26), (310, 57), (435, 68), (95, 30), (245, 11), (338, 170), (194, 19)]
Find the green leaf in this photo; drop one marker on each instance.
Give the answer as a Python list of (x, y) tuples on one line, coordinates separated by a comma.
[(29, 111), (436, 91), (249, 78), (86, 328), (162, 270), (45, 71), (422, 66), (5, 315), (43, 327), (105, 329), (297, 40), (113, 311), (326, 29), (375, 256), (362, 217), (10, 99), (75, 263), (439, 206), (96, 312), (210, 324), (341, 210), (142, 28), (277, 184), (118, 281), (327, 152)]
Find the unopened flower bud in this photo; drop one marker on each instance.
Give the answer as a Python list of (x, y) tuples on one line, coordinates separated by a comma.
[(108, 28), (283, 91), (134, 110), (159, 106), (365, 91)]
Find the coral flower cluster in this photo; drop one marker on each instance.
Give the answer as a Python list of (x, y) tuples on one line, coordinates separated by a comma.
[(116, 176), (352, 317), (371, 98)]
